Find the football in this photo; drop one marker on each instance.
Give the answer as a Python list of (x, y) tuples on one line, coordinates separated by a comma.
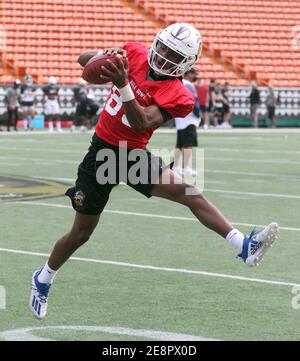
[(92, 70)]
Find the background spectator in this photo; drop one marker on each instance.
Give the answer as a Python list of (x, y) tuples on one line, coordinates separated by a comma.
[(27, 102), (271, 102), (203, 97), (52, 111), (211, 98), (226, 106), (218, 105), (86, 107), (254, 103), (187, 130), (12, 103)]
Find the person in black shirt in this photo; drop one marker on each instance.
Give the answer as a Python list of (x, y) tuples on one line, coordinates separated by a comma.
[(218, 105), (254, 103), (211, 101), (226, 106), (11, 100), (86, 107)]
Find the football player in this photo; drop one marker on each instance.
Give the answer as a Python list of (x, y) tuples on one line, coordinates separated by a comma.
[(86, 107), (147, 91), (27, 101), (52, 111)]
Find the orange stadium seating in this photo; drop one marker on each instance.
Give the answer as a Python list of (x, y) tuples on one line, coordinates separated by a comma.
[(46, 36)]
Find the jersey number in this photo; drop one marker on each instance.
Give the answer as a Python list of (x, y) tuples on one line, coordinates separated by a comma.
[(113, 110)]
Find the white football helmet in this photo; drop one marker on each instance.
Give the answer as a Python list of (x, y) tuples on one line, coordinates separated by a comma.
[(52, 80), (183, 39), (28, 79)]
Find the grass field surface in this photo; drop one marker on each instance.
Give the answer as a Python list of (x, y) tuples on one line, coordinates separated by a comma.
[(150, 265)]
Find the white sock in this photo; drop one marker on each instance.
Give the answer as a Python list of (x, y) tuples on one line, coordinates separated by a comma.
[(236, 238), (47, 274)]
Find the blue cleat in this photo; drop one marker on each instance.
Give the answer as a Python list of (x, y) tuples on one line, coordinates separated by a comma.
[(38, 302), (257, 243)]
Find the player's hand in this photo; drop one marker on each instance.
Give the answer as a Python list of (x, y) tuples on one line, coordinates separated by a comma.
[(117, 74), (114, 51)]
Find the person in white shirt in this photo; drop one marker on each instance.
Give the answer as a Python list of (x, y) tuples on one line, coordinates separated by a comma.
[(27, 101), (187, 130), (51, 99)]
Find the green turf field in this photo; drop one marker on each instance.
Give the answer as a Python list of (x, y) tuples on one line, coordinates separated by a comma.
[(195, 286)]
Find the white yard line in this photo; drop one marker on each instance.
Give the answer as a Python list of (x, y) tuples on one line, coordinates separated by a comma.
[(253, 174), (250, 180), (71, 180), (47, 150), (230, 150), (155, 268), (247, 160), (254, 194), (207, 170), (41, 160), (86, 145), (10, 164), (255, 151), (226, 159), (161, 216)]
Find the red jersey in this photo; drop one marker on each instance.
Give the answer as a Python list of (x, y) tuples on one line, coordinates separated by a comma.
[(202, 92), (170, 95)]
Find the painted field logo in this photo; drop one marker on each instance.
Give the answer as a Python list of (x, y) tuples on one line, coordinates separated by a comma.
[(15, 188), (296, 298)]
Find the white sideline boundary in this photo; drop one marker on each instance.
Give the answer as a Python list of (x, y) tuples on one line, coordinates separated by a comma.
[(151, 215), (156, 268), (276, 131), (218, 159), (24, 334), (281, 177)]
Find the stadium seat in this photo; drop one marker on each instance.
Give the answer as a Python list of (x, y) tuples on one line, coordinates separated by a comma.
[(48, 35)]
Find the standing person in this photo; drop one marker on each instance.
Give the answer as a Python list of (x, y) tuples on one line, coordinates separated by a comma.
[(203, 98), (218, 105), (52, 111), (12, 103), (271, 102), (27, 102), (226, 106), (147, 91), (211, 100), (254, 103), (86, 107), (78, 92), (187, 130)]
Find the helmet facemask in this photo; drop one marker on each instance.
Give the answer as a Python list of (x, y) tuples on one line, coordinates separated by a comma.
[(174, 64)]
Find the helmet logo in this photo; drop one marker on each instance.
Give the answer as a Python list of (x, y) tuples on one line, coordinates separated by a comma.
[(183, 31)]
